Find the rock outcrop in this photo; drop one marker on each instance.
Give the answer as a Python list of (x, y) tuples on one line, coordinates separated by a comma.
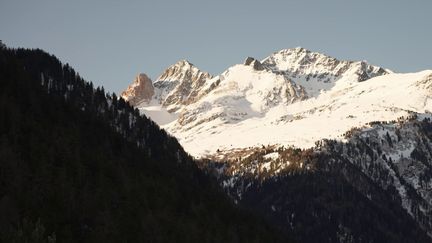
[(141, 90), (250, 61)]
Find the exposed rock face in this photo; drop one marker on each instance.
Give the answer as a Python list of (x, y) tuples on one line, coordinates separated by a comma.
[(141, 90), (426, 83), (180, 84), (250, 61), (367, 71)]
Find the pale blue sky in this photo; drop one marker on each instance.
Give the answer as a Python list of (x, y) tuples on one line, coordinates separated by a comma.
[(109, 42)]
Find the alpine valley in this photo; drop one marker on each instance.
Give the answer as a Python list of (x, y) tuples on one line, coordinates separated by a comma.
[(325, 150)]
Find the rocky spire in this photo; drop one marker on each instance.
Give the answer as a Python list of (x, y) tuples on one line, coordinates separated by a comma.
[(141, 90)]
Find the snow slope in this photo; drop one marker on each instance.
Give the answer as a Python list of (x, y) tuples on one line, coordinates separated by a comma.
[(328, 115)]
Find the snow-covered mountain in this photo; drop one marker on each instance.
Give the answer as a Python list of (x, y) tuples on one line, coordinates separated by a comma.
[(293, 97)]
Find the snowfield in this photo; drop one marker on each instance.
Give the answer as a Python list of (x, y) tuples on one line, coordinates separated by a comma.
[(329, 115)]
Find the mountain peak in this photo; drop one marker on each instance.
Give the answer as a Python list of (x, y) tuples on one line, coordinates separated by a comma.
[(296, 50), (180, 70), (141, 76), (319, 72), (299, 52), (180, 84), (183, 62), (299, 49), (140, 90)]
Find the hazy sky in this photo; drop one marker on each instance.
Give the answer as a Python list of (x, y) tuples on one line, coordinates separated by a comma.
[(109, 42)]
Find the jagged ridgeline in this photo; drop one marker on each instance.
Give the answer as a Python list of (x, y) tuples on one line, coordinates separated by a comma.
[(80, 165)]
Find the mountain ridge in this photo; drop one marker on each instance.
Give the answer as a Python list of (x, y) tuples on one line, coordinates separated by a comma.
[(180, 84), (290, 87), (305, 67)]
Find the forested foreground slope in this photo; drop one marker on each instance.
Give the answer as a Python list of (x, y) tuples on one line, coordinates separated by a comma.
[(80, 165)]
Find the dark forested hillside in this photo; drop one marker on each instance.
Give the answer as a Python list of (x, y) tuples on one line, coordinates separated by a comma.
[(327, 205), (367, 189), (80, 165)]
